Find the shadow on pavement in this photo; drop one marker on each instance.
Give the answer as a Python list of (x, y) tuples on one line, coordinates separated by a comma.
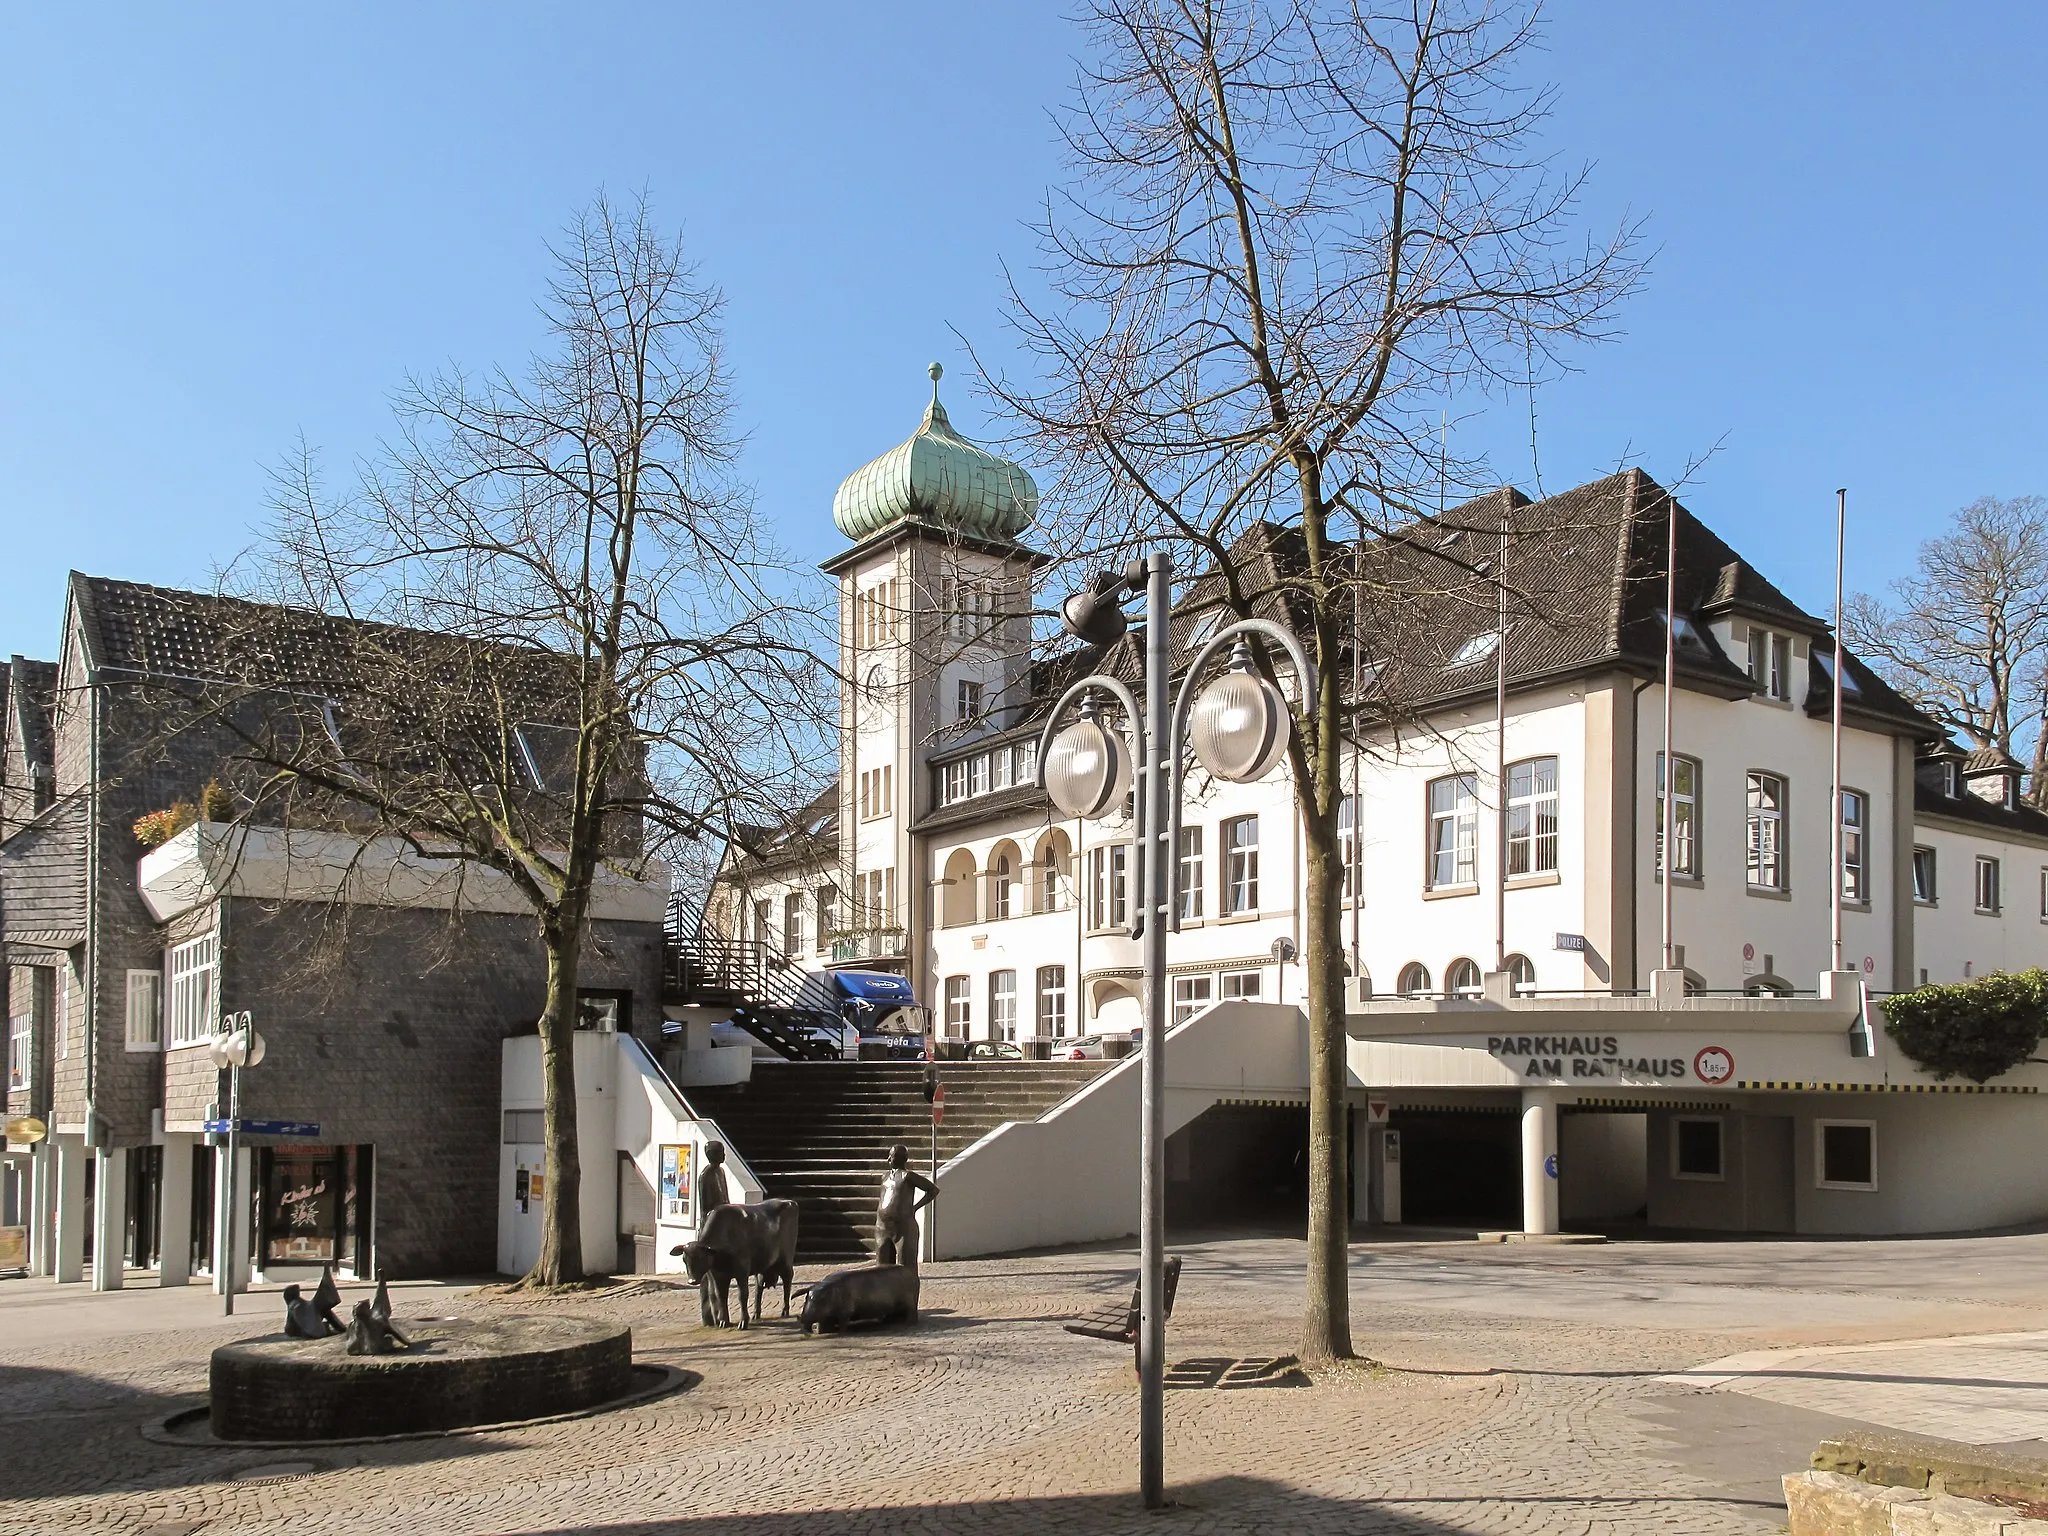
[(1224, 1504), (70, 1434)]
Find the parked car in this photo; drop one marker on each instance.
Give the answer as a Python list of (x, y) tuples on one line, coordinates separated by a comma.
[(993, 1050), (1085, 1048)]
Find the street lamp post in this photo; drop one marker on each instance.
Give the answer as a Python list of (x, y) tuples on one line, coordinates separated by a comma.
[(1238, 726), (237, 1045)]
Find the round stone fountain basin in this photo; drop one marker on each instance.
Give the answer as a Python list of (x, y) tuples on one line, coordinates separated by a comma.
[(459, 1372)]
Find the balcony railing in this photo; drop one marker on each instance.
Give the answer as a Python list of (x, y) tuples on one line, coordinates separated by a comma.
[(870, 944)]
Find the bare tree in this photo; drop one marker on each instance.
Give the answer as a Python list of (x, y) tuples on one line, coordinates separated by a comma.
[(1295, 230), (555, 637), (1966, 636)]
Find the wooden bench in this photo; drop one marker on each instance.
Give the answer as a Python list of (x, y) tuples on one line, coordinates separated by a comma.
[(1119, 1325)]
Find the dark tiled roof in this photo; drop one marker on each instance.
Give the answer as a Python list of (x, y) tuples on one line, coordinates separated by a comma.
[(1990, 760), (807, 836), (42, 873), (2023, 818), (31, 698)]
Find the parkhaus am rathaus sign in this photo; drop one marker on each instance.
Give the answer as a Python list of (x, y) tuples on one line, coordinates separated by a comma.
[(1598, 1058)]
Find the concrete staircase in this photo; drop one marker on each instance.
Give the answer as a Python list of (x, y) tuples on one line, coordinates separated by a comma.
[(819, 1132)]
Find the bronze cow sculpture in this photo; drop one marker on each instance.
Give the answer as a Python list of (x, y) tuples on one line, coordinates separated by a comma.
[(738, 1242)]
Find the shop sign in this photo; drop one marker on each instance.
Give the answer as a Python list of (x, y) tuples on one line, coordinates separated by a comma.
[(1606, 1058), (675, 1181)]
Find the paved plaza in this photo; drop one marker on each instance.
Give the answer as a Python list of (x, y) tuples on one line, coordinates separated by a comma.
[(1632, 1387)]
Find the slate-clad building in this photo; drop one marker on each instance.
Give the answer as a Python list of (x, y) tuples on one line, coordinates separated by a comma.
[(382, 1002)]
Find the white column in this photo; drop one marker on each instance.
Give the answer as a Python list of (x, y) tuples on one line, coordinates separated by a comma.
[(109, 1218), (1539, 1160), (70, 1243), (174, 1212), (42, 1230)]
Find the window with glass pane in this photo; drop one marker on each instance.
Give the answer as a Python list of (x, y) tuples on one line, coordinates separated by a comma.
[(977, 774), (959, 1006), (1924, 875), (1766, 831), (193, 967), (1414, 979), (1463, 979), (1052, 882), (145, 1010), (1532, 817), (793, 923), (1002, 1005), (967, 701), (1349, 835), (1241, 865), (20, 1043), (1770, 663), (1027, 762), (1108, 891), (1855, 814), (1191, 994), (1191, 877), (1002, 885), (1052, 1000), (828, 914), (1241, 986), (1453, 830), (1987, 884), (999, 769), (1685, 816)]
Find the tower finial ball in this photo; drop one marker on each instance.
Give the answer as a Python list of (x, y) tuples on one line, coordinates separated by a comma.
[(937, 371)]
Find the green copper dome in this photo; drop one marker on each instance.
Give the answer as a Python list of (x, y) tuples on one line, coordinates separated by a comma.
[(940, 477)]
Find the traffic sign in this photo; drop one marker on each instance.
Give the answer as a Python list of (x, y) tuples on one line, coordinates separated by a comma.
[(305, 1130), (938, 1103)]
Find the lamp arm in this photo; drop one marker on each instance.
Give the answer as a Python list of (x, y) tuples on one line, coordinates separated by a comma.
[(1304, 669), (1135, 719)]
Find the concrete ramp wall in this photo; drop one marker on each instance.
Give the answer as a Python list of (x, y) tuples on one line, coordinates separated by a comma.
[(1072, 1176)]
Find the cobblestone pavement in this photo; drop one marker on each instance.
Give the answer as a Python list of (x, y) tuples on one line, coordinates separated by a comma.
[(1520, 1394)]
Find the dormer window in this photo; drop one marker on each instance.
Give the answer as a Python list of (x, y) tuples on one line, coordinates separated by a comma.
[(1826, 659), (1770, 663), (1479, 648), (1952, 779)]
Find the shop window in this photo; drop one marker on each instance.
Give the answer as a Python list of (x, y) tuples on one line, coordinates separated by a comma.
[(1696, 1148), (1845, 1154)]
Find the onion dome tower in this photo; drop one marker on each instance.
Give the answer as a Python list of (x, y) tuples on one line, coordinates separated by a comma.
[(937, 477)]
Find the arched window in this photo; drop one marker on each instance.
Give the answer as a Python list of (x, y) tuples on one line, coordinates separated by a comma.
[(1463, 979), (1414, 979), (1054, 892), (1767, 986), (1523, 969), (956, 891), (1002, 880)]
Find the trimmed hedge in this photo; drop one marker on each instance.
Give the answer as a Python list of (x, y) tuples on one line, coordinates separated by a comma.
[(1975, 1029)]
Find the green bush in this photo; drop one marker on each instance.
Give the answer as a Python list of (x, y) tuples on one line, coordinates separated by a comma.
[(1975, 1029)]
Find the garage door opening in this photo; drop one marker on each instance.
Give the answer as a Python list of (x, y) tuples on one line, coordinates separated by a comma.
[(1240, 1165), (1460, 1168)]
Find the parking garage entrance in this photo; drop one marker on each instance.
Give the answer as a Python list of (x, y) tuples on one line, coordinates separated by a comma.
[(1240, 1165), (1460, 1167)]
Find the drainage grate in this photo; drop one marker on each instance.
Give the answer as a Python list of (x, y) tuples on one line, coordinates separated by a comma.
[(276, 1471), (1219, 1372)]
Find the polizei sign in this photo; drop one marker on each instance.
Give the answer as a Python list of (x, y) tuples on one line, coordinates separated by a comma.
[(1609, 1058)]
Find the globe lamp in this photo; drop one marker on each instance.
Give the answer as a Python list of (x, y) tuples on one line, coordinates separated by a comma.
[(1240, 724), (1088, 768)]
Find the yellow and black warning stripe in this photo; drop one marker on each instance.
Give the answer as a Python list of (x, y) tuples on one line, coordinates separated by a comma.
[(1787, 1086)]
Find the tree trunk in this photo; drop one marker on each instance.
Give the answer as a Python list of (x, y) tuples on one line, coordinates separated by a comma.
[(1326, 1309), (561, 1241)]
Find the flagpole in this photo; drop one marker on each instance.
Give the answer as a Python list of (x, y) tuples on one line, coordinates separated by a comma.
[(1500, 751), (1835, 729), (1670, 769)]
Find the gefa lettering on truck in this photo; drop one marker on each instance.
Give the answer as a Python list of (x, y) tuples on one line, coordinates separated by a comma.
[(1582, 1056)]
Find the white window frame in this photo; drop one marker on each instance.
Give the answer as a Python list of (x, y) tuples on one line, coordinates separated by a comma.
[(1191, 994), (1451, 852), (62, 1017), (1052, 1001), (1109, 887), (1002, 1005), (1242, 986), (1412, 980), (1526, 802), (977, 775), (2044, 893), (1758, 819), (1463, 978), (793, 923), (21, 1041), (1685, 817), (1720, 1125), (193, 1013), (1192, 879), (1351, 844), (1820, 1156), (144, 1014), (1770, 663), (953, 783), (1855, 873), (1002, 887), (1240, 865), (959, 996), (967, 695), (1994, 888), (1931, 895), (825, 903)]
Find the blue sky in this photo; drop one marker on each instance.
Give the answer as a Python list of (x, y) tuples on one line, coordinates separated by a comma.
[(228, 225)]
